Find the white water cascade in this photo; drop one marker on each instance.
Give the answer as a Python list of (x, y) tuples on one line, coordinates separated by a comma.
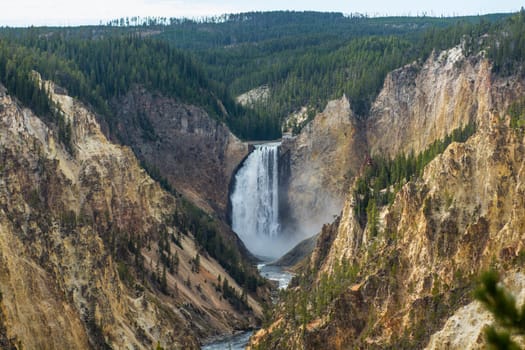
[(255, 201)]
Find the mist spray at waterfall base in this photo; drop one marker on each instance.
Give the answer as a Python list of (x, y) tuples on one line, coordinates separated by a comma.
[(255, 203)]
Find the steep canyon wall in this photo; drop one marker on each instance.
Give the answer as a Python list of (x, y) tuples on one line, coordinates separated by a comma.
[(79, 244), (464, 214)]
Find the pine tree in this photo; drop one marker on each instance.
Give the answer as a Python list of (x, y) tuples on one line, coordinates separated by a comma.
[(509, 319), (164, 281), (197, 263), (372, 215)]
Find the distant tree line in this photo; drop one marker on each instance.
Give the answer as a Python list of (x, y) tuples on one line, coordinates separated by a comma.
[(306, 58), (315, 67), (506, 45), (98, 71)]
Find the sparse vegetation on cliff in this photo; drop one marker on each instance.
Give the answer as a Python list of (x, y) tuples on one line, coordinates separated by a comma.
[(383, 177), (204, 228), (308, 300), (517, 115)]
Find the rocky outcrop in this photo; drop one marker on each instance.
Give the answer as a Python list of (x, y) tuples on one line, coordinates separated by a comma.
[(254, 96), (196, 154), (296, 256), (466, 213), (418, 104), (80, 246), (463, 330), (322, 159), (421, 103)]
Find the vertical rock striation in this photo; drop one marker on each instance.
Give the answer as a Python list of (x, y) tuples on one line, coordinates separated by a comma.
[(323, 159), (79, 247), (195, 153), (421, 103), (464, 214)]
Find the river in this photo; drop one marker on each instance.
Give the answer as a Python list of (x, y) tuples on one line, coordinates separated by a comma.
[(240, 340), (255, 218)]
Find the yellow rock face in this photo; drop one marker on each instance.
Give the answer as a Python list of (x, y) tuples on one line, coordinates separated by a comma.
[(63, 217), (423, 103), (323, 159), (466, 213)]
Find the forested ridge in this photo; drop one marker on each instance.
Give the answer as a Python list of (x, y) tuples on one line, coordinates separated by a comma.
[(78, 66), (305, 58), (353, 59), (100, 70)]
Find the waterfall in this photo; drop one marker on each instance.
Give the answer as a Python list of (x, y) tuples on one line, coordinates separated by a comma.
[(255, 201)]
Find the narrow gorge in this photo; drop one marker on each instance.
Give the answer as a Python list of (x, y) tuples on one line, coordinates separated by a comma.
[(368, 172)]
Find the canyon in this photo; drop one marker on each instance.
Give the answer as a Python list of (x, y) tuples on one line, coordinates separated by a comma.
[(93, 251), (409, 285), (122, 237)]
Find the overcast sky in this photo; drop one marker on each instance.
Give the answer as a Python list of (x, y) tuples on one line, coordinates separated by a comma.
[(75, 12)]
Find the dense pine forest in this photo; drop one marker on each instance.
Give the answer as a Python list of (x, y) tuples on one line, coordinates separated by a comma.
[(305, 59)]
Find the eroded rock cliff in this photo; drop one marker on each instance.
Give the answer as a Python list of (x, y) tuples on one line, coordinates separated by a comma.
[(465, 213), (418, 104), (196, 154), (421, 103), (85, 238), (322, 159)]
